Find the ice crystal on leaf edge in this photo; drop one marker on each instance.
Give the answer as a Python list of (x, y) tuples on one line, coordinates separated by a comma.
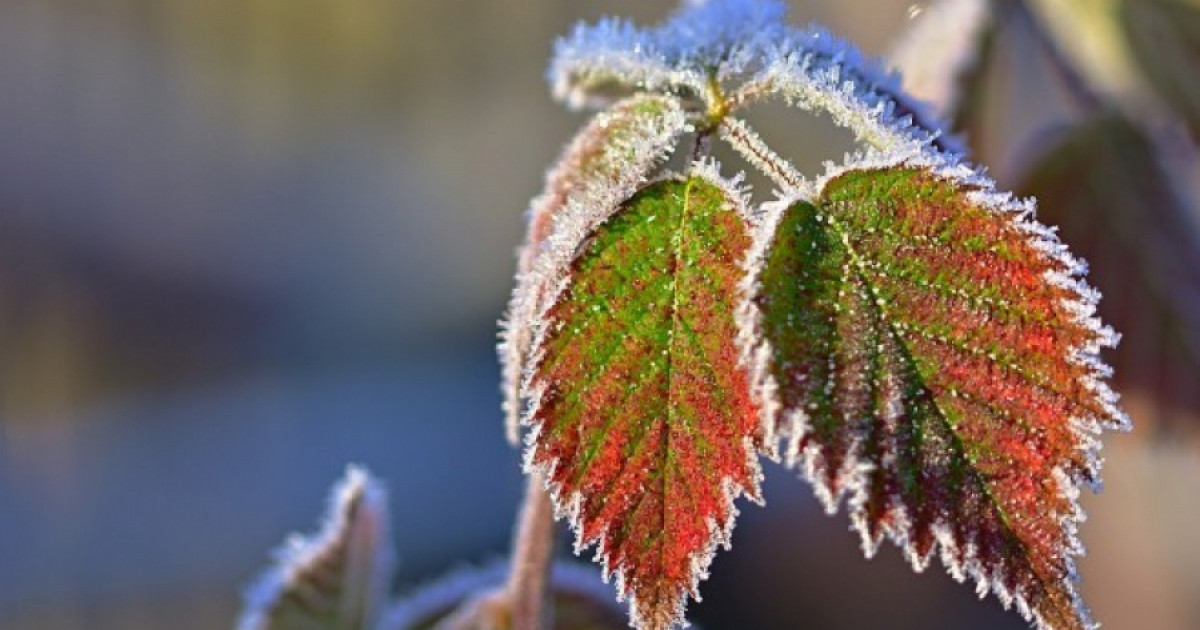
[(607, 161)]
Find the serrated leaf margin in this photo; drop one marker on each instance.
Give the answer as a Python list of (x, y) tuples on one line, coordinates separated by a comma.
[(569, 506), (758, 352)]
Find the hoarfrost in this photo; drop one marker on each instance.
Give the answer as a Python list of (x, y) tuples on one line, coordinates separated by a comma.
[(719, 56), (617, 151)]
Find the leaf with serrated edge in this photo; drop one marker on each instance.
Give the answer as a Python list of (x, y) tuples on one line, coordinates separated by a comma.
[(819, 72), (613, 154), (929, 350), (643, 422), (337, 579), (1119, 197)]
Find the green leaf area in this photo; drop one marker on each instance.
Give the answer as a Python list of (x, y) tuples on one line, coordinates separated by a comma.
[(924, 364), (616, 150), (644, 419)]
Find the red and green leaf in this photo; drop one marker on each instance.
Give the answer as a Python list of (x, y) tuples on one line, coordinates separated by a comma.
[(610, 157), (933, 356), (643, 419), (1117, 197)]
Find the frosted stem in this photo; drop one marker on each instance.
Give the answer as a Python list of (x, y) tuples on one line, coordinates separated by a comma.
[(746, 142), (533, 549)]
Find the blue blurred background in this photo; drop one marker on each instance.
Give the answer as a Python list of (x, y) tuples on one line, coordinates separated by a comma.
[(244, 242)]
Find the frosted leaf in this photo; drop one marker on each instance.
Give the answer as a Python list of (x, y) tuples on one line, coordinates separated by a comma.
[(745, 47), (614, 153), (600, 63), (928, 351), (730, 36), (612, 58), (939, 51), (642, 419), (817, 71), (336, 579)]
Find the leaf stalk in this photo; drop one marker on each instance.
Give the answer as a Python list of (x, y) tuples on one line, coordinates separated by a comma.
[(533, 549)]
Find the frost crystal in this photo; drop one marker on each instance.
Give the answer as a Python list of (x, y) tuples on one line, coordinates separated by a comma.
[(817, 71), (614, 57), (746, 47)]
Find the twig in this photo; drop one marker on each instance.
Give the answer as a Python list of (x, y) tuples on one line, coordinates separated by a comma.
[(533, 549), (746, 142)]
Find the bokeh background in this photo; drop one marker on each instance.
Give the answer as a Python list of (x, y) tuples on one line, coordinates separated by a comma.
[(244, 242)]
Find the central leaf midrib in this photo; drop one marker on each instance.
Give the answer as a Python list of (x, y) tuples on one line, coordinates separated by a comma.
[(677, 323), (676, 257), (973, 467), (610, 350)]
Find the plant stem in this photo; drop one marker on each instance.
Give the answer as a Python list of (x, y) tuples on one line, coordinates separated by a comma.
[(533, 549), (746, 142), (702, 146)]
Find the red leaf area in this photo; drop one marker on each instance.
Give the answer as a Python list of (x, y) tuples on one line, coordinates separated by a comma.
[(643, 416), (947, 381), (990, 329), (1113, 197)]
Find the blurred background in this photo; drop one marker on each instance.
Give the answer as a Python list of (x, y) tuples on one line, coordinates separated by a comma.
[(244, 242)]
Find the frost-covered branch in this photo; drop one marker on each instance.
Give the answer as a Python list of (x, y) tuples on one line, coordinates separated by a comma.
[(750, 145)]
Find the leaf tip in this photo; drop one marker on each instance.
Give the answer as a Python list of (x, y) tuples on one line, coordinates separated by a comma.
[(341, 571)]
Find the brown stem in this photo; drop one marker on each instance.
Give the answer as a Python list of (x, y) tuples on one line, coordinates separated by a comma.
[(746, 142), (533, 549)]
